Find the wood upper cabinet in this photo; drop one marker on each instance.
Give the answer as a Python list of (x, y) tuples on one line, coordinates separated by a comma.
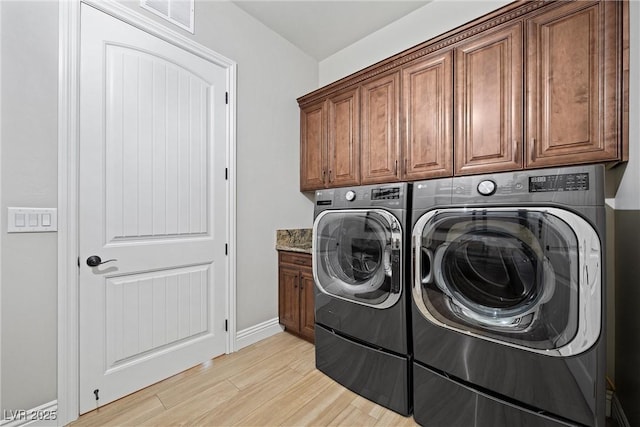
[(530, 85), (489, 107), (343, 137), (427, 117), (330, 142), (573, 67), (313, 146), (380, 145)]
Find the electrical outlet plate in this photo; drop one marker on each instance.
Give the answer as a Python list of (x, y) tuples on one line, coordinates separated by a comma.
[(32, 220)]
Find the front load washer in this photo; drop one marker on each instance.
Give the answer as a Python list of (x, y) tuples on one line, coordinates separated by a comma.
[(361, 300), (507, 299)]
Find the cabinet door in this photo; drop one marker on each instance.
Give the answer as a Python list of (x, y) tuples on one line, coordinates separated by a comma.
[(489, 102), (380, 129), (288, 295), (307, 317), (427, 117), (343, 137), (313, 146), (572, 70)]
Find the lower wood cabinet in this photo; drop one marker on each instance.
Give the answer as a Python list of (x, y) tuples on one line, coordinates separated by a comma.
[(295, 294)]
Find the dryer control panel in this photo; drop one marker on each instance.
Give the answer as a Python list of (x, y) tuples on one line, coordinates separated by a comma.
[(565, 182)]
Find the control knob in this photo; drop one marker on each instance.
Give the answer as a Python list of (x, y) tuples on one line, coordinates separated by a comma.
[(487, 187), (350, 196)]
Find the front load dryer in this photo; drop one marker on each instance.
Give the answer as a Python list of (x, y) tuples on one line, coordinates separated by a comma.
[(507, 299), (361, 298)]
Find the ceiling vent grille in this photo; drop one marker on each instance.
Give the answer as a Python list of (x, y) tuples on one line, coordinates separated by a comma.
[(178, 12)]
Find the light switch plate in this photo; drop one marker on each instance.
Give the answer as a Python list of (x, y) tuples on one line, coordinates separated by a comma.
[(32, 220)]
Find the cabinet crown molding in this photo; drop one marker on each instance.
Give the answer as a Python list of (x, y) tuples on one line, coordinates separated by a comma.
[(491, 20)]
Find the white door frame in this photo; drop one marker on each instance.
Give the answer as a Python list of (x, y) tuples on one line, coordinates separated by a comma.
[(68, 163)]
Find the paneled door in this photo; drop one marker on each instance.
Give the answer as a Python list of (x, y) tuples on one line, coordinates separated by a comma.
[(152, 208)]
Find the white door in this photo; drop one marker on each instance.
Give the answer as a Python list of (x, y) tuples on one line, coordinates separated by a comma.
[(152, 197)]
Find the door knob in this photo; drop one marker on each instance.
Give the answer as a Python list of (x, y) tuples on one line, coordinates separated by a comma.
[(95, 260)]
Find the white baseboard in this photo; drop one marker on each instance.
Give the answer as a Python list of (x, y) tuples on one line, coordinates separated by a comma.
[(42, 416), (258, 332)]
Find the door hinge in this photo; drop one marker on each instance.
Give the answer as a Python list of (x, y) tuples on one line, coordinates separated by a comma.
[(78, 262), (226, 325), (226, 97), (96, 393), (226, 173), (226, 249)]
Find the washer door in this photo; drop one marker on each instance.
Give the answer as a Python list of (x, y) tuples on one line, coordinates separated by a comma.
[(357, 256), (526, 277)]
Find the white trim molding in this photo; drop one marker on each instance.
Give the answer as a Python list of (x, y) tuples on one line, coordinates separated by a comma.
[(255, 333), (41, 416), (68, 81), (1, 212), (68, 145)]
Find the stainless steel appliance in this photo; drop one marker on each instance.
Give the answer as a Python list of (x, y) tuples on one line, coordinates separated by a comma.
[(361, 298), (508, 295)]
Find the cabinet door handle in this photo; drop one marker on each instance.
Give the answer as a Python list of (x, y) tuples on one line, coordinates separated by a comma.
[(395, 170), (330, 180), (324, 176)]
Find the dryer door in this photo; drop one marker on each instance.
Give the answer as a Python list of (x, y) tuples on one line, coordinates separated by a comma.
[(357, 256), (525, 277)]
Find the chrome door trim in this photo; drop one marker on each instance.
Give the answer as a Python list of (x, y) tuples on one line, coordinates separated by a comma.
[(589, 279), (395, 228)]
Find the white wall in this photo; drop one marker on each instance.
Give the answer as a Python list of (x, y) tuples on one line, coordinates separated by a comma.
[(29, 178), (272, 73), (419, 26)]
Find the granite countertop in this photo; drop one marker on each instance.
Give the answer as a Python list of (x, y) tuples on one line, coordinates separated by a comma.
[(294, 240)]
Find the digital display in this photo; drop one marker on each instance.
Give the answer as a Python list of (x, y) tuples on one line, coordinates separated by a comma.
[(566, 182), (385, 193)]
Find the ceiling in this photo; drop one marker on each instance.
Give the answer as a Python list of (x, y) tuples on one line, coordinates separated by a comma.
[(322, 28)]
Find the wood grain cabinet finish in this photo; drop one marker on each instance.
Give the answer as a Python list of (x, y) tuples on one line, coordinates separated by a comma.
[(427, 117), (330, 142), (489, 96), (380, 143), (313, 147), (307, 314), (295, 294), (573, 65), (343, 137), (532, 84)]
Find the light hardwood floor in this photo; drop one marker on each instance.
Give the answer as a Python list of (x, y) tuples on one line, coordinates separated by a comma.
[(270, 383)]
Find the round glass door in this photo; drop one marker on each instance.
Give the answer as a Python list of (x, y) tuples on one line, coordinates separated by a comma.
[(509, 275), (357, 256)]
